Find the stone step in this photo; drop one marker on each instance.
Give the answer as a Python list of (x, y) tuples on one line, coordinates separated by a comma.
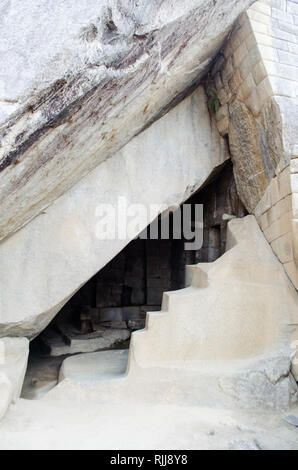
[(96, 366), (65, 340)]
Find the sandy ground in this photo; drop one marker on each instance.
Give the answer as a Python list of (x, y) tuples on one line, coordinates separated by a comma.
[(45, 424)]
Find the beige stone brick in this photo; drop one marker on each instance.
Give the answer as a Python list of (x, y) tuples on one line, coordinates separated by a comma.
[(283, 87), (294, 165), (235, 41), (248, 64), (259, 72), (268, 53), (259, 17), (295, 237), (284, 183), (281, 70), (259, 27), (261, 8), (247, 86), (280, 208), (279, 227), (283, 248), (263, 221), (274, 192), (240, 53), (244, 31), (295, 205), (265, 90), (250, 41), (267, 40), (264, 205), (294, 183), (292, 272)]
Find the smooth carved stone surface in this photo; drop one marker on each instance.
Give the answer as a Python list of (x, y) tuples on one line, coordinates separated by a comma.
[(78, 94), (222, 341), (57, 252), (5, 394)]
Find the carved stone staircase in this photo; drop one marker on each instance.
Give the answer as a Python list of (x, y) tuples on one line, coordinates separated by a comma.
[(222, 340)]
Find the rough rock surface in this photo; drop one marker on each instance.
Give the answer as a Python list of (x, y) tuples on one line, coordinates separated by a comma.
[(80, 93), (13, 363), (50, 425), (256, 149), (57, 252)]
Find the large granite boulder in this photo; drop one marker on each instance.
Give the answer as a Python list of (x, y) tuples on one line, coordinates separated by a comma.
[(80, 79), (50, 258)]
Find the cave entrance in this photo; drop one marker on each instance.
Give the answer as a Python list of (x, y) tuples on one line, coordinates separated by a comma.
[(110, 306)]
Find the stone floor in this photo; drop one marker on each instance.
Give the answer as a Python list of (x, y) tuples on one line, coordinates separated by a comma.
[(44, 424)]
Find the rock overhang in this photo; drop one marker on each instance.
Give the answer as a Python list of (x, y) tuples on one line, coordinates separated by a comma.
[(97, 84)]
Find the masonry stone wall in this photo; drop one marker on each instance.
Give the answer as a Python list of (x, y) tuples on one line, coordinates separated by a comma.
[(256, 81)]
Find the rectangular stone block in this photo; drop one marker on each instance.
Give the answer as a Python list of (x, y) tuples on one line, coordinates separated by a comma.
[(131, 313), (277, 32), (264, 205), (282, 86), (259, 72), (154, 296), (259, 17), (250, 41), (267, 40), (247, 87), (261, 7), (263, 221), (284, 183), (293, 48), (280, 4), (287, 58), (292, 272), (240, 53), (244, 30), (268, 53), (259, 27), (292, 7), (294, 165), (279, 227), (284, 71), (284, 16), (295, 205), (294, 183), (283, 248), (250, 61), (274, 192), (288, 27), (281, 207)]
